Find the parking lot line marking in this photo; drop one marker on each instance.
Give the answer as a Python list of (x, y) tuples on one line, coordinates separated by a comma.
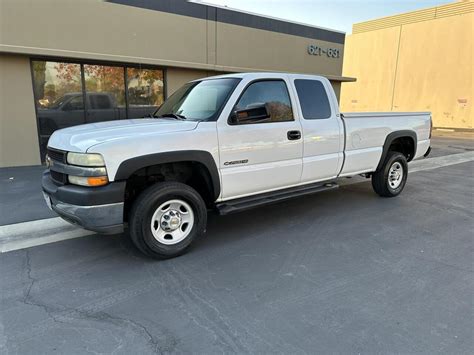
[(439, 162), (34, 233), (44, 231)]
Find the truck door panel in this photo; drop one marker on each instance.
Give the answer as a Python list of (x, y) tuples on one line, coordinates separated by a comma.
[(258, 157), (322, 131)]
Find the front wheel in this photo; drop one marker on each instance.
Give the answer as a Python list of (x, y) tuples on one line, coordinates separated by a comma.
[(391, 178), (166, 218)]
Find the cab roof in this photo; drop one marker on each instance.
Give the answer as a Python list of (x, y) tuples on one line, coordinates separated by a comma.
[(258, 75)]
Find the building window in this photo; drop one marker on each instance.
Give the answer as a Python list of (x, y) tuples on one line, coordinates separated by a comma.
[(58, 97), (145, 91), (111, 92), (105, 93)]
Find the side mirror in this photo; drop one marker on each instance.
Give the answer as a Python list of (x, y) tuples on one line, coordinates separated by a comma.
[(254, 114)]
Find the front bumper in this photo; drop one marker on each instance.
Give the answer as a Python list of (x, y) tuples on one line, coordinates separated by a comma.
[(99, 209)]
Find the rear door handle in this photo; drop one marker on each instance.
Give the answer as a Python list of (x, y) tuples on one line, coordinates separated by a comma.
[(293, 135)]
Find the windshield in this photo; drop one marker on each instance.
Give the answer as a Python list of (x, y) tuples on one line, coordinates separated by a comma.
[(199, 100)]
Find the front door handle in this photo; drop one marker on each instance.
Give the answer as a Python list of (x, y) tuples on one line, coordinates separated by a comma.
[(293, 135)]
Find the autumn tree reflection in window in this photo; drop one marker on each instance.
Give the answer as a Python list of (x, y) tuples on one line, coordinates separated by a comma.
[(105, 92), (145, 91), (58, 97), (62, 100)]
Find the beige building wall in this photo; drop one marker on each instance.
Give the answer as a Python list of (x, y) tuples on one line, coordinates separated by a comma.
[(422, 63), (176, 77), (255, 50), (97, 30), (18, 132), (102, 31), (94, 29)]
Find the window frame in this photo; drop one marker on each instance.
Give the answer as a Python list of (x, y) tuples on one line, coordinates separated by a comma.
[(82, 63), (229, 121), (301, 106)]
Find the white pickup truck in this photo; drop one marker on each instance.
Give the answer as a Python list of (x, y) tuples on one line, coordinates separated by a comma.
[(228, 143)]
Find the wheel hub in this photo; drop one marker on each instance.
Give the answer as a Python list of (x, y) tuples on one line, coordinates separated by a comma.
[(395, 175), (171, 220)]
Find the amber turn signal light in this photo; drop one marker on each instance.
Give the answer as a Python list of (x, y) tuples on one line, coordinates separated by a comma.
[(88, 180), (97, 180)]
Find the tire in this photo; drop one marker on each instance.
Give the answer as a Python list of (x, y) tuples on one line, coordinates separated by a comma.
[(154, 217), (391, 178)]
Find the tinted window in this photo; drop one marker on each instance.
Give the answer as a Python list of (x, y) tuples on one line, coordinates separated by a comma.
[(272, 93), (58, 97), (59, 91), (100, 102), (105, 85), (145, 91), (313, 99)]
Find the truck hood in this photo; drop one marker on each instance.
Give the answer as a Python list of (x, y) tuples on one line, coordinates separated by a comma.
[(81, 138)]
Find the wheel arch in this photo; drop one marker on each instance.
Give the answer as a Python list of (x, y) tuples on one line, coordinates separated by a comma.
[(399, 137), (128, 167)]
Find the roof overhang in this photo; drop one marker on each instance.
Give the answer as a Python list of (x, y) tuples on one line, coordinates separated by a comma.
[(344, 79)]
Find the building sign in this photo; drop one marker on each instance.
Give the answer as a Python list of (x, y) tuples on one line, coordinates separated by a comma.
[(322, 51)]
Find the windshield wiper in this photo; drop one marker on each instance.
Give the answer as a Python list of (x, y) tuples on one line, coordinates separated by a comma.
[(171, 115)]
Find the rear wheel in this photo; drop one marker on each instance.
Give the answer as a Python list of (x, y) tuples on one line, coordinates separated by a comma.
[(166, 218), (391, 178)]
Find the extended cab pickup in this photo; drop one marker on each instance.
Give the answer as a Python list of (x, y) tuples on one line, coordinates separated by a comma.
[(228, 143)]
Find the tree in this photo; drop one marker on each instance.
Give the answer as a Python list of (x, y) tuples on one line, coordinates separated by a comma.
[(39, 74)]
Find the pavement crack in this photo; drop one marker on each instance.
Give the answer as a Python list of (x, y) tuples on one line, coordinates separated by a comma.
[(27, 298), (28, 275), (107, 317)]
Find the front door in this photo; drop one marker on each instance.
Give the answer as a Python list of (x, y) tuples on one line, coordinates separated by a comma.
[(261, 155)]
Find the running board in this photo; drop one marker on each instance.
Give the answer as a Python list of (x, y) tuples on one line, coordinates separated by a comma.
[(249, 202)]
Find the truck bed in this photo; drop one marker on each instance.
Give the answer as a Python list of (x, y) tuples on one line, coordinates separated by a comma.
[(366, 133)]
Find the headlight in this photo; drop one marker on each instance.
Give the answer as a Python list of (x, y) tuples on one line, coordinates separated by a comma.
[(88, 180), (85, 159)]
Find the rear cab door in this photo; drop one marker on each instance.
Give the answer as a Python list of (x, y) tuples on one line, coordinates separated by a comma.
[(257, 157), (323, 130)]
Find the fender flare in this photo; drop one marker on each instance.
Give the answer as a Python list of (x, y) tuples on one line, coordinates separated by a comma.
[(389, 140), (129, 166)]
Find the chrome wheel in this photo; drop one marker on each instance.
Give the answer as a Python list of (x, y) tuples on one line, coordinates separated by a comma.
[(395, 175), (172, 222)]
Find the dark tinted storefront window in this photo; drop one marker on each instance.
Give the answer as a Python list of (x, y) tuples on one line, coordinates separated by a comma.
[(58, 97), (145, 91), (105, 93), (59, 94)]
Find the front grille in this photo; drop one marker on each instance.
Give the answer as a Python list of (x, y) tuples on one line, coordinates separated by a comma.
[(57, 155), (60, 178)]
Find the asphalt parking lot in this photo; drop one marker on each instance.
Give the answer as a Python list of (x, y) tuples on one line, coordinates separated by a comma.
[(343, 271)]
